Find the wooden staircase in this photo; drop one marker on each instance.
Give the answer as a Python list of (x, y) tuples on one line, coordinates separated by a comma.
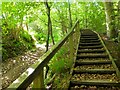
[(93, 69)]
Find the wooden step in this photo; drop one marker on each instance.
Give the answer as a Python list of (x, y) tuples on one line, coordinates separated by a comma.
[(87, 41), (92, 56), (91, 47), (93, 62), (95, 83), (95, 71), (88, 38), (90, 44), (91, 51), (89, 35)]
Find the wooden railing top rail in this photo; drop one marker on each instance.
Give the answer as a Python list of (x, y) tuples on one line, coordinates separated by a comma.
[(45, 59), (110, 57)]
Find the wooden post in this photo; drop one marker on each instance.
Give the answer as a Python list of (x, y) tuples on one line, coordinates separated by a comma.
[(38, 83), (77, 30), (71, 47)]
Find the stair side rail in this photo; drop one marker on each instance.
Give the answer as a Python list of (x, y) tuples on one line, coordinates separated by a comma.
[(111, 58)]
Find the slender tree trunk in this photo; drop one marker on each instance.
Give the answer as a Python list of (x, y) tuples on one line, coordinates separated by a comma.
[(70, 18), (49, 33), (49, 26), (111, 33), (27, 26), (86, 17), (119, 15), (119, 30)]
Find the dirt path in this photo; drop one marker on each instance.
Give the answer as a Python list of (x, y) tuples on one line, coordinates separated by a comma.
[(14, 67)]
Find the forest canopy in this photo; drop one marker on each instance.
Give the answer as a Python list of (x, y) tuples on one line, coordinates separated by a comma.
[(25, 24)]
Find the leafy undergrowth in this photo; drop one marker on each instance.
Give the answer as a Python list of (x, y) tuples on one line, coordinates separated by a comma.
[(14, 45), (60, 67), (61, 81)]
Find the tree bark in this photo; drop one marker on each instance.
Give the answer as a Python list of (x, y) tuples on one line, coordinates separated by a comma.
[(49, 26), (49, 33), (111, 33), (119, 30), (119, 15), (86, 17), (70, 18)]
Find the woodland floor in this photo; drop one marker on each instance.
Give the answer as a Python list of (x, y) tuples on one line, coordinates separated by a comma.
[(12, 69)]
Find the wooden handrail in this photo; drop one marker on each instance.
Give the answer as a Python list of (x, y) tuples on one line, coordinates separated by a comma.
[(113, 62), (46, 58)]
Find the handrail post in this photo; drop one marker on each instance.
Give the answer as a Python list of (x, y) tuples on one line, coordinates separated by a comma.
[(78, 29), (71, 47), (39, 81)]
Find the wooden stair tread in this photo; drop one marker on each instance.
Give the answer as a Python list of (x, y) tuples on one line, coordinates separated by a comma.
[(93, 56), (90, 41), (93, 62), (91, 51), (89, 35), (94, 71), (86, 44), (96, 83), (90, 38), (90, 47)]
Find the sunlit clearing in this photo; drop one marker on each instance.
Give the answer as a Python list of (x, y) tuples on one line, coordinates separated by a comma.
[(32, 33), (40, 45)]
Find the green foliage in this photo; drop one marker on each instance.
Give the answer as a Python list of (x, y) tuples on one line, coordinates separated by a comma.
[(26, 36), (15, 40), (60, 62), (15, 16), (40, 37), (12, 47), (58, 66)]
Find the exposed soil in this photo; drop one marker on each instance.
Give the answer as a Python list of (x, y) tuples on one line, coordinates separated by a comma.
[(14, 67)]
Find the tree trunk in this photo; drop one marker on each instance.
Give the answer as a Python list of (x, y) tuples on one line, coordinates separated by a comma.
[(70, 18), (111, 33), (27, 26), (86, 17), (49, 33), (49, 26), (119, 15), (119, 30)]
